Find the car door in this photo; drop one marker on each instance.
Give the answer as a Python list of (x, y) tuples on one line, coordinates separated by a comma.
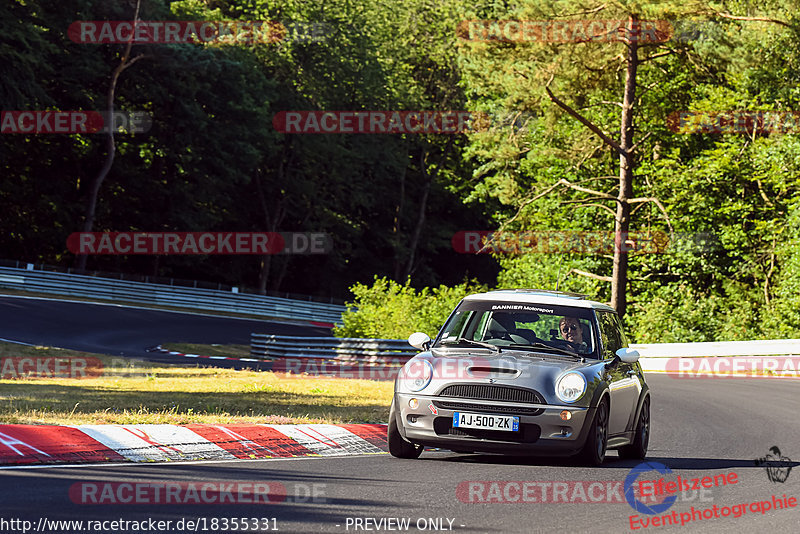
[(624, 385)]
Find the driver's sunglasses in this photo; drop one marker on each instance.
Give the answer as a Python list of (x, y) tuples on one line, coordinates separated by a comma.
[(568, 327)]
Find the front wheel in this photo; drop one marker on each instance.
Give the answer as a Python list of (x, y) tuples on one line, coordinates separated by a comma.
[(398, 446), (638, 449), (594, 451)]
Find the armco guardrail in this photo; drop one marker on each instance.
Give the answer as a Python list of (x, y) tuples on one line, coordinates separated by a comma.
[(389, 352), (759, 347), (165, 295), (661, 357)]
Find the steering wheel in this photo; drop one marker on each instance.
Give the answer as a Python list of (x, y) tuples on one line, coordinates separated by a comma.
[(562, 344), (508, 336)]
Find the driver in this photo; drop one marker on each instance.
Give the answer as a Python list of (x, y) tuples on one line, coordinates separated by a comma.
[(571, 331)]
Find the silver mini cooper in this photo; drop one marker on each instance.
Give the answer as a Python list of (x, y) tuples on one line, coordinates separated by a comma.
[(523, 372)]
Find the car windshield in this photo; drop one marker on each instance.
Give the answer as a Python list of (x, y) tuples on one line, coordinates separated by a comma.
[(518, 326)]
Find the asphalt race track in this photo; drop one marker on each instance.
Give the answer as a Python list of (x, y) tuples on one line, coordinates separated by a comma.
[(125, 331), (701, 427)]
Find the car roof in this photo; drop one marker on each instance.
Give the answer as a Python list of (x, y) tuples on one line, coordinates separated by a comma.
[(540, 296)]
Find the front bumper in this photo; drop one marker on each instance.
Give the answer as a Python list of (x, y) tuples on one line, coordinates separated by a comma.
[(541, 429)]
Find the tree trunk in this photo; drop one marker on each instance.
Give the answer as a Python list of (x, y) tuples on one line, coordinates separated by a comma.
[(91, 204), (398, 214), (278, 213), (271, 224), (423, 205), (282, 268), (619, 276), (94, 190)]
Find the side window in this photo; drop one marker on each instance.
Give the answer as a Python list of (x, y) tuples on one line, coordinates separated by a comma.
[(622, 337), (609, 333)]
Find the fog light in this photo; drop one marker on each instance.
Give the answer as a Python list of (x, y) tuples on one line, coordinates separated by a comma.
[(412, 418), (566, 415), (413, 404)]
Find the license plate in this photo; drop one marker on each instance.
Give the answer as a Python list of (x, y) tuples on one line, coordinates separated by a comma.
[(485, 422)]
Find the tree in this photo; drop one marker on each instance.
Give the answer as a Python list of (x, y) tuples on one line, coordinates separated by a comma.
[(588, 70), (125, 62)]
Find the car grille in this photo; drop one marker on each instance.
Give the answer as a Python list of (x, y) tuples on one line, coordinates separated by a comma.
[(528, 433), (488, 408), (492, 393)]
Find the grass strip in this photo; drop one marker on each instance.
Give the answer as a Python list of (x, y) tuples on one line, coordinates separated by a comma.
[(129, 391)]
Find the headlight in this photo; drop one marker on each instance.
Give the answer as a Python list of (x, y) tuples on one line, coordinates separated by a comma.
[(570, 386), (417, 374)]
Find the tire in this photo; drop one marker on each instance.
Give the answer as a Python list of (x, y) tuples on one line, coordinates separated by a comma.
[(594, 451), (638, 449), (398, 446)]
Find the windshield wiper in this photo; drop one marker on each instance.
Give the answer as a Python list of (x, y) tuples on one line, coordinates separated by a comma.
[(473, 342), (547, 347)]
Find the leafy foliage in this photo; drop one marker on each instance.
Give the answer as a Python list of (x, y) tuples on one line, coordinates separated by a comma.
[(389, 310)]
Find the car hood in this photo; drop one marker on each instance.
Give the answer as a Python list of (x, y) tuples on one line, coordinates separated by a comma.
[(529, 370)]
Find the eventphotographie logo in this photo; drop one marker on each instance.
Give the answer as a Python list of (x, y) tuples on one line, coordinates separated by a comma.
[(631, 484), (777, 466), (663, 492)]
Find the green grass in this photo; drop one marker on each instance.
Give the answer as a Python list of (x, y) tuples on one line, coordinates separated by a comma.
[(128, 391)]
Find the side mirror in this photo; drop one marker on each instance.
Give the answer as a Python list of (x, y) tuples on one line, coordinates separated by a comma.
[(628, 355), (421, 341)]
